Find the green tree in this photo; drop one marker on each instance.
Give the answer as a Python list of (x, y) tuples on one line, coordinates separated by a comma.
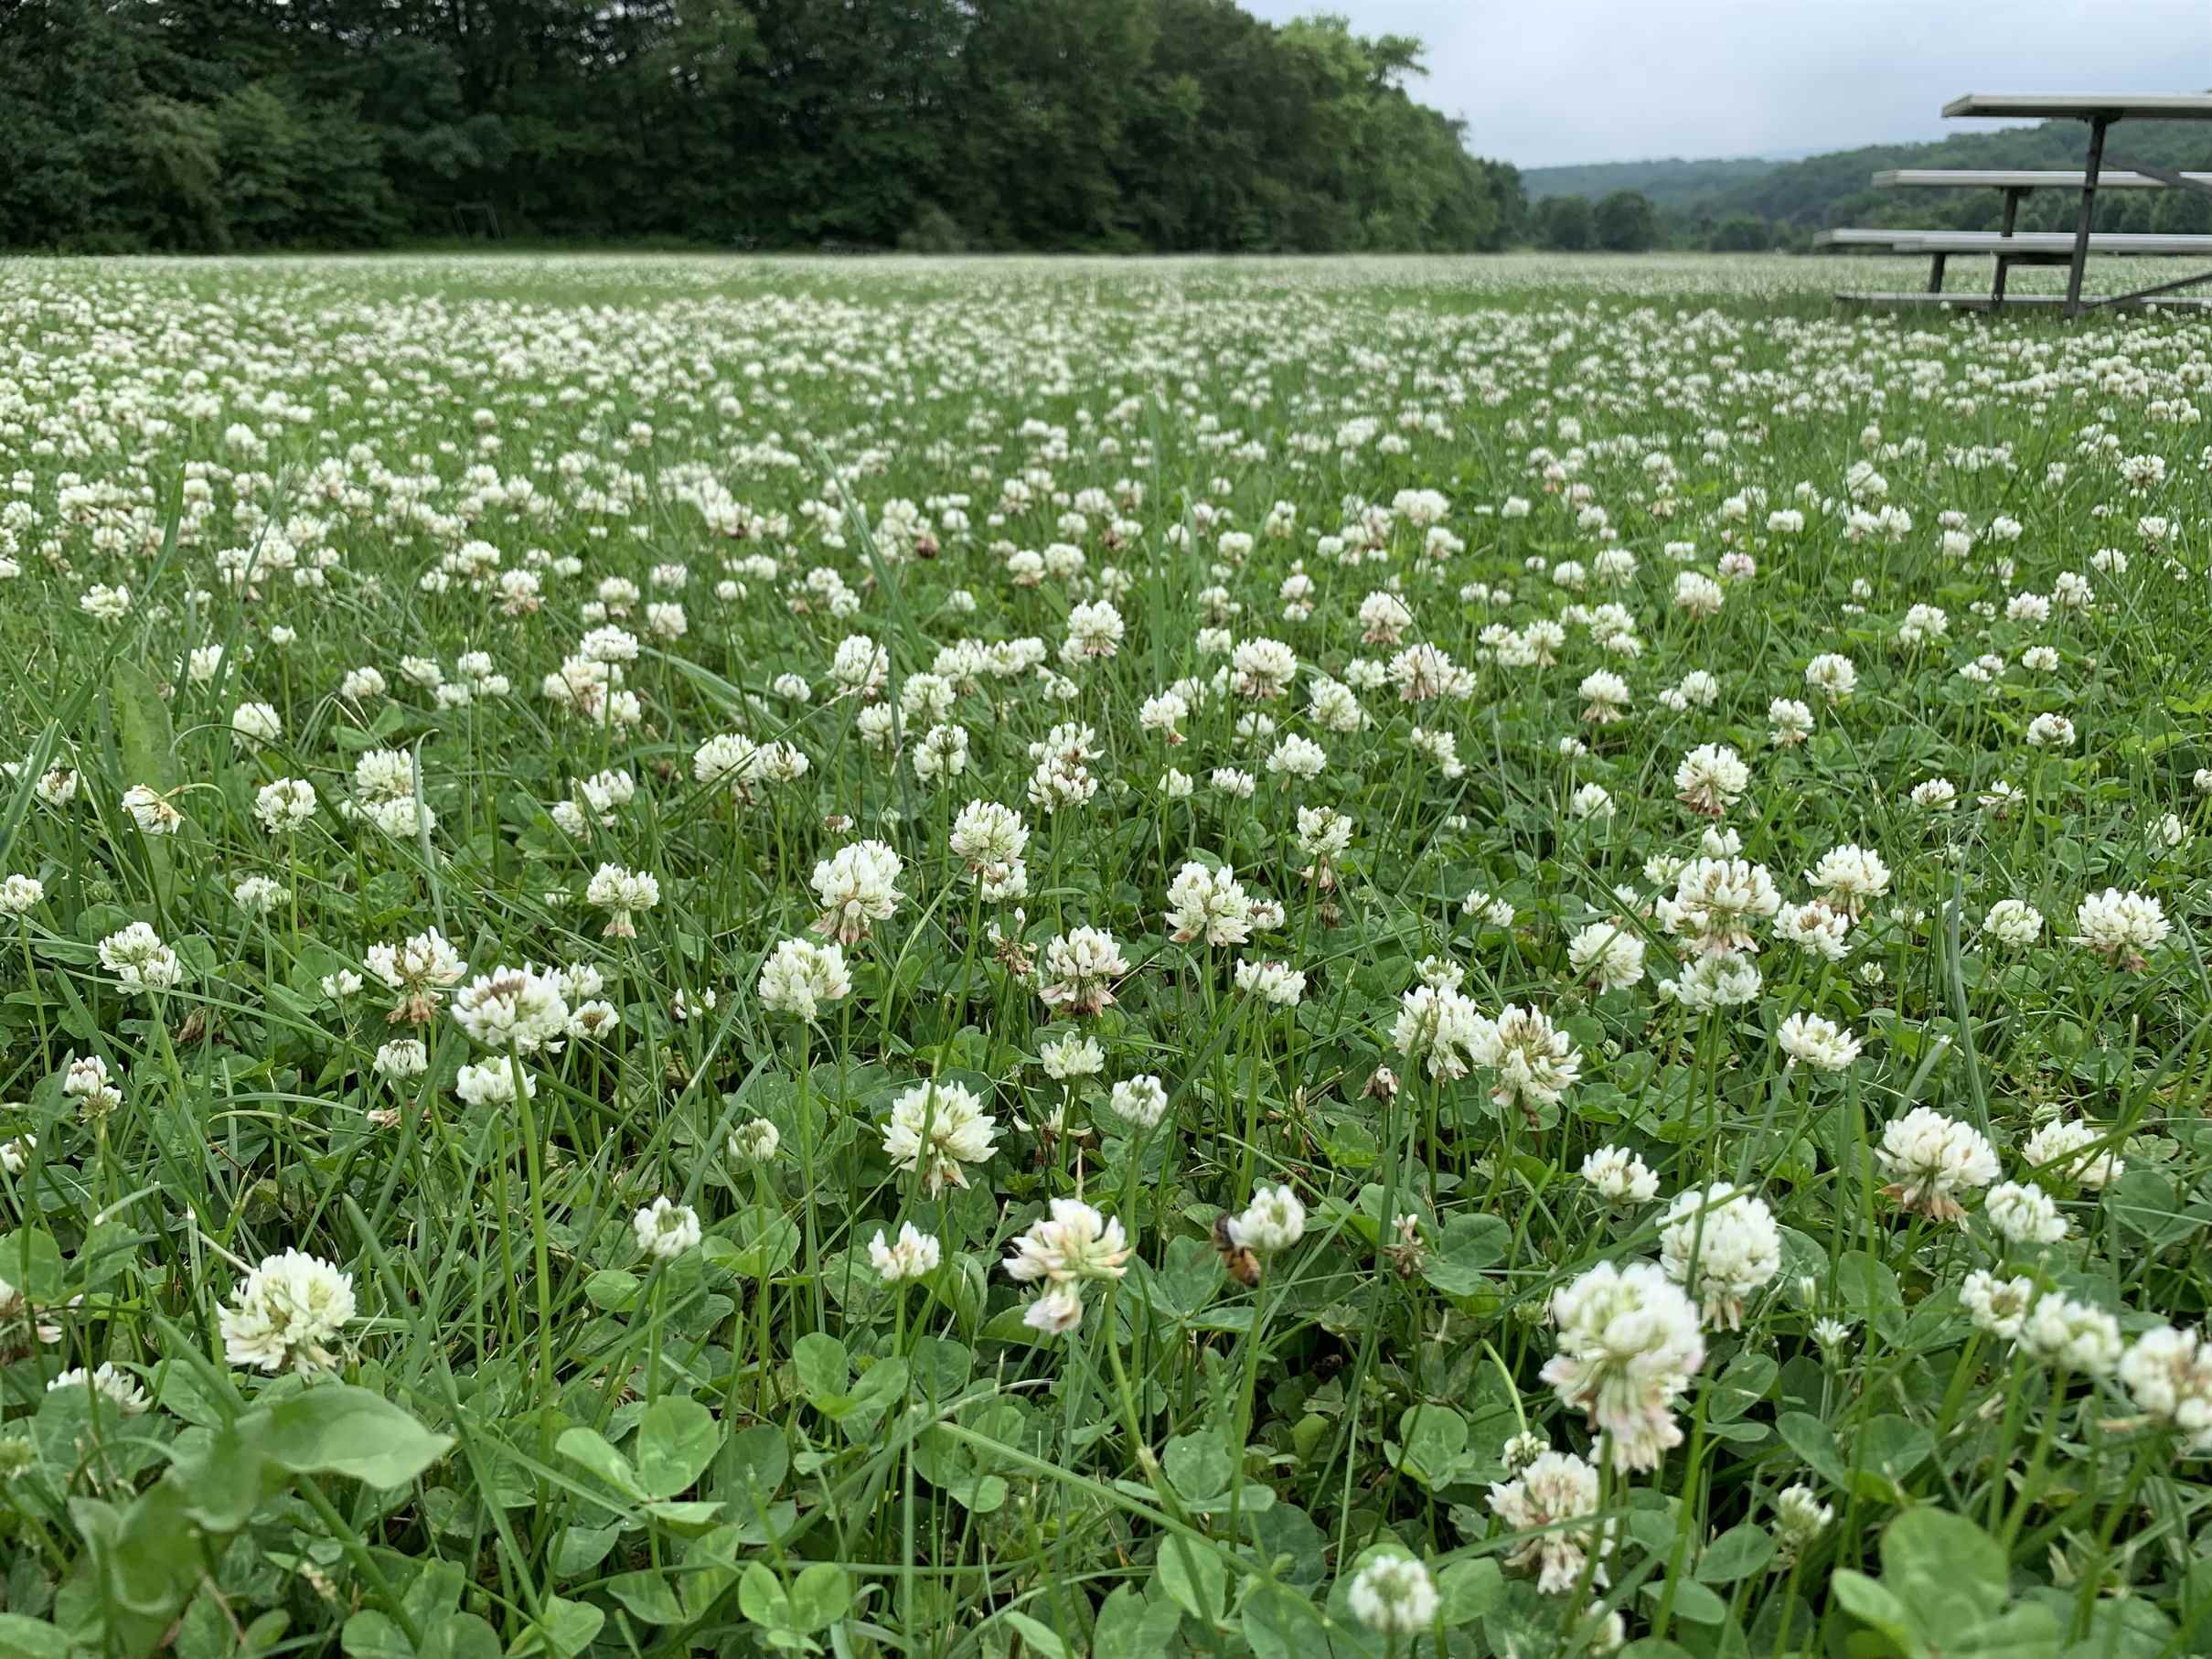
[(1013, 123), (1741, 233), (1565, 222), (1623, 222)]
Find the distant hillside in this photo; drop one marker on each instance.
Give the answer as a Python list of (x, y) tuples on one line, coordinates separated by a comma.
[(1746, 204), (1668, 183), (1834, 188)]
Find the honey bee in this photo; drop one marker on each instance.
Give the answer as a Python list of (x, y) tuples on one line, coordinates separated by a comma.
[(1239, 1263)]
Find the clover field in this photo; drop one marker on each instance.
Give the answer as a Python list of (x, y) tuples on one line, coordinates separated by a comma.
[(1493, 957)]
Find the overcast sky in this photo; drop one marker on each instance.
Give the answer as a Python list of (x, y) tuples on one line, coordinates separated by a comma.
[(1550, 82)]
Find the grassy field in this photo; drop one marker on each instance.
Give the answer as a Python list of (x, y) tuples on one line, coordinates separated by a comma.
[(1492, 957)]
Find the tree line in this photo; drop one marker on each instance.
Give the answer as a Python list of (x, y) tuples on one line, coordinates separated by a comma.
[(1745, 206), (1110, 125)]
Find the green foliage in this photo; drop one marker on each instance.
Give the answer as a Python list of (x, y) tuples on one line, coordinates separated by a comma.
[(1668, 183), (1566, 223), (929, 125), (793, 1431), (1623, 222)]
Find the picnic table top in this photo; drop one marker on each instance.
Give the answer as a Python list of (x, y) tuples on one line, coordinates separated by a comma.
[(2020, 178), (2160, 106), (2020, 242)]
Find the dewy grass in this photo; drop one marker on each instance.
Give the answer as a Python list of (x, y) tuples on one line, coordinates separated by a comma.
[(969, 958)]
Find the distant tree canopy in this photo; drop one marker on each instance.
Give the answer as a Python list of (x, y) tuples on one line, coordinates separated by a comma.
[(1624, 222), (1565, 222), (935, 124)]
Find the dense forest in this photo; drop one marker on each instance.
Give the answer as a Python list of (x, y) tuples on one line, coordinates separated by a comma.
[(936, 124)]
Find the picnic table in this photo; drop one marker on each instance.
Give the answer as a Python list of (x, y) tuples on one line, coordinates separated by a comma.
[(2101, 112)]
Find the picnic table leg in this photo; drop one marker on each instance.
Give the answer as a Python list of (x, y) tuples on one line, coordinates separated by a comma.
[(2081, 225), (2004, 266), (1935, 272)]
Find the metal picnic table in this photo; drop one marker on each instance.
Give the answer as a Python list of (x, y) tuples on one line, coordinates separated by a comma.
[(2102, 111)]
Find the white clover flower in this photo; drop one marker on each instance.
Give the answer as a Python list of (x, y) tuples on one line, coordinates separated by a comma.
[(800, 976), (1998, 1306), (2024, 1213), (623, 893), (402, 820), (1487, 907), (1850, 878), (1591, 801), (1604, 697), (1070, 1243), (21, 894), (2050, 732), (1393, 1594), (1726, 1237), (914, 1256), (2063, 1331), (1141, 1101), (1629, 1345), (520, 1009), (944, 1123), (1619, 1177), (256, 722), (1209, 904), (1441, 1029), (1536, 1062), (753, 1142), (2168, 1374), (1071, 1055), (260, 894), (285, 804), (593, 1020), (858, 886), (665, 1230), (1697, 595), (116, 1388), (286, 1314), (85, 1080), (1929, 1159), (2012, 924), (2068, 1149), (403, 1057), (1272, 1221), (1819, 1042), (1277, 983), (493, 1083), (151, 811), (1057, 1311), (419, 970), (1555, 1489), (1079, 970), (141, 963), (1711, 779), (1800, 1518), (1607, 953), (1815, 929), (1712, 982), (1262, 668), (1789, 722), (1715, 903), (2123, 927), (1832, 676)]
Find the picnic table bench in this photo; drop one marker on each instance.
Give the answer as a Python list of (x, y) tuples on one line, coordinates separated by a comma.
[(2011, 247)]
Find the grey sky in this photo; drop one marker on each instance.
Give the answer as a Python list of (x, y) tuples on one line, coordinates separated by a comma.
[(1549, 82)]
